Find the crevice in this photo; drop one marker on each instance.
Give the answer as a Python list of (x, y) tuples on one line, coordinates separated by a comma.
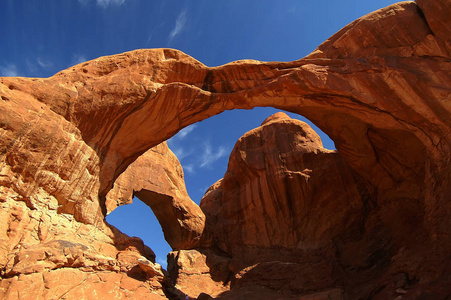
[(84, 280)]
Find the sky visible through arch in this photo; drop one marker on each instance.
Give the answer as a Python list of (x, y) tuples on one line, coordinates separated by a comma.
[(40, 38)]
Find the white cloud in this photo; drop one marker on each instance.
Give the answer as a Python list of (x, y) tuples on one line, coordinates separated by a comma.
[(185, 131), (162, 262), (78, 59), (102, 3), (208, 157), (179, 25), (193, 154), (189, 168), (149, 38), (106, 3), (44, 63), (174, 143), (9, 70), (180, 152)]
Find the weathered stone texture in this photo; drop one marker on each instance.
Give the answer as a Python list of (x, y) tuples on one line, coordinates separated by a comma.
[(156, 177), (380, 88)]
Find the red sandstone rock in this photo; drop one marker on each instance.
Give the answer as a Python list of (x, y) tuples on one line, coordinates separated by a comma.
[(198, 271), (282, 189), (283, 201), (156, 177), (380, 88)]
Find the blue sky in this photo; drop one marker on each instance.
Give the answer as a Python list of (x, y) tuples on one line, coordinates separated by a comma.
[(41, 37)]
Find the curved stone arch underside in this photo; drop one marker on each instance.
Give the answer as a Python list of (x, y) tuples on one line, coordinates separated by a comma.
[(377, 94)]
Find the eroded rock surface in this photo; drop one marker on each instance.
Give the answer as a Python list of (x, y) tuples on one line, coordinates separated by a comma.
[(279, 210), (291, 218), (281, 189), (380, 88), (156, 178), (195, 272), (46, 255)]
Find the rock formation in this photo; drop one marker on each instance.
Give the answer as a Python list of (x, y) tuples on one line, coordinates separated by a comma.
[(380, 88), (282, 201), (156, 178)]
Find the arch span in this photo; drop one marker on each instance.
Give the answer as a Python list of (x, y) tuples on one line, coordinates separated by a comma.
[(379, 88), (377, 95), (369, 100)]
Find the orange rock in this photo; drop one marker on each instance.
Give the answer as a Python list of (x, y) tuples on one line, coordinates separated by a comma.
[(69, 283), (198, 271), (379, 88), (282, 189), (274, 216), (156, 178)]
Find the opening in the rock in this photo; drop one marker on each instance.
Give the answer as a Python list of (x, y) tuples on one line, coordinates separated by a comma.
[(203, 149), (138, 219)]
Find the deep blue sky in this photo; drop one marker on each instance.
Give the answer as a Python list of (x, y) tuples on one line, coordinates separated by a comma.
[(42, 37)]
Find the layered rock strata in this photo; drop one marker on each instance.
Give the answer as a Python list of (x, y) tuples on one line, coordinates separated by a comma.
[(380, 88), (280, 205), (156, 178), (291, 218), (45, 253)]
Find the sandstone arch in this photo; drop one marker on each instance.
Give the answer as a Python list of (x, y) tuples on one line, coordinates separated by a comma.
[(379, 88), (366, 99)]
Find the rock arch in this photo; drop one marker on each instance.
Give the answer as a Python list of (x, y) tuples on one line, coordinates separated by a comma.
[(379, 88), (376, 95), (369, 99)]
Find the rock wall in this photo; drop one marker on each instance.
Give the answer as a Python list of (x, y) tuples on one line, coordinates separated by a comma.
[(380, 88), (156, 178), (291, 218)]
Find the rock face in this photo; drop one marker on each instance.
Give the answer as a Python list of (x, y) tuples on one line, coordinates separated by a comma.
[(282, 189), (280, 205), (196, 272), (52, 247), (156, 178), (380, 88)]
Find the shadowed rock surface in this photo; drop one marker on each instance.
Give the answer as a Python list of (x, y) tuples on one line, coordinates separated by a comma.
[(380, 88)]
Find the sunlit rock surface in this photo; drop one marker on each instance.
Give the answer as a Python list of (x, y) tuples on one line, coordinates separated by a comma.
[(380, 88), (156, 178)]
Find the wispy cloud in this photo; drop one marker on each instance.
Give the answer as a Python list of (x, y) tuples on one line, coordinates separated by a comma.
[(209, 156), (9, 70), (175, 142), (185, 131), (180, 151), (149, 38), (179, 25), (162, 263), (189, 168), (106, 3), (193, 154), (78, 59), (102, 3), (44, 63), (38, 66)]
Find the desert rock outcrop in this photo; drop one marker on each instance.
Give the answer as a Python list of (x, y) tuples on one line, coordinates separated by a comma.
[(280, 205), (380, 88), (291, 218), (282, 189), (156, 178)]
